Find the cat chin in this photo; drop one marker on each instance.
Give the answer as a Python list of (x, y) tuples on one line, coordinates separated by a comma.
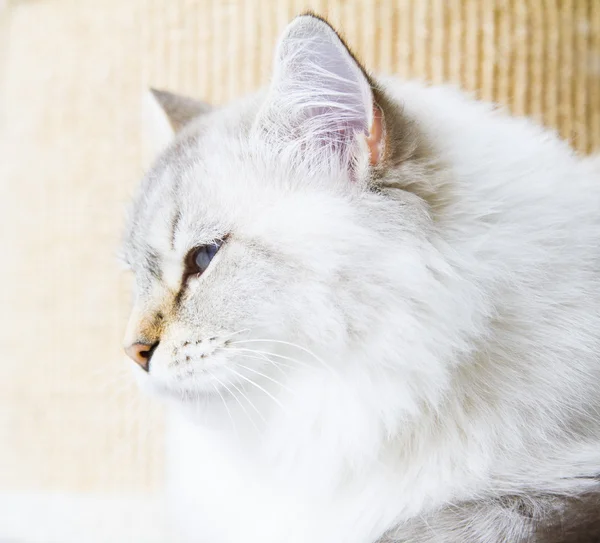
[(189, 384), (178, 391)]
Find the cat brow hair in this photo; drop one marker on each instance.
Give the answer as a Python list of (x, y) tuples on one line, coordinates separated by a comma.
[(174, 224)]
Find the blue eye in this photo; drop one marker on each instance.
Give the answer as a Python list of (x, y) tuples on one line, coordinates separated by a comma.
[(199, 258)]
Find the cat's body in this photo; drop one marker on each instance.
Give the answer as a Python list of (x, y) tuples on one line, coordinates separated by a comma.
[(400, 335)]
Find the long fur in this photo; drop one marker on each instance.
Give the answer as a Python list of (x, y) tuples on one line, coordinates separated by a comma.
[(408, 351)]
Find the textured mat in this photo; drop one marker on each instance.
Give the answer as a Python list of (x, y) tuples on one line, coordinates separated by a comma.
[(72, 74)]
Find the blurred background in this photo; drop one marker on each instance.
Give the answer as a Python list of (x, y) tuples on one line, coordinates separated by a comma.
[(80, 451)]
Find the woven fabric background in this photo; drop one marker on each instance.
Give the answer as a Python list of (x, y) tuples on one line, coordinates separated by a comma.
[(72, 73)]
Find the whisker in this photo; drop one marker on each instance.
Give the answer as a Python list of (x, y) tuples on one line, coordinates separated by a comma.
[(237, 400), (304, 349), (284, 387), (245, 397), (225, 405), (262, 356), (277, 365), (259, 387), (268, 353)]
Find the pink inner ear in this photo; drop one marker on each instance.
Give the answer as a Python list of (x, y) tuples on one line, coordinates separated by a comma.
[(375, 139)]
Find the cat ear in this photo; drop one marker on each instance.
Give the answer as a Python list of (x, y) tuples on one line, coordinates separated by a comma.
[(178, 110), (321, 101), (165, 114)]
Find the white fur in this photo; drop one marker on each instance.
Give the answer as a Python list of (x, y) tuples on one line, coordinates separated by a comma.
[(437, 356)]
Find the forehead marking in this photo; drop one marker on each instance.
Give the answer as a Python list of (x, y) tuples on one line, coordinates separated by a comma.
[(174, 224), (160, 185)]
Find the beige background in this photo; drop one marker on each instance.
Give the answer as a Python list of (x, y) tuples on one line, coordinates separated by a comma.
[(74, 434)]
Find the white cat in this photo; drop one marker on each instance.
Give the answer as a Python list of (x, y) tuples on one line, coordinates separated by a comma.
[(374, 308)]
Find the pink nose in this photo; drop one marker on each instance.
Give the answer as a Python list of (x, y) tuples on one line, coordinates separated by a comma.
[(141, 353)]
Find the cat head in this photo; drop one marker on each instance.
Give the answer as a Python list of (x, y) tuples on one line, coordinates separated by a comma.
[(265, 238)]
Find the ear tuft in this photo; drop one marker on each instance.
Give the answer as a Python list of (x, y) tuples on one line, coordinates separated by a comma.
[(321, 99)]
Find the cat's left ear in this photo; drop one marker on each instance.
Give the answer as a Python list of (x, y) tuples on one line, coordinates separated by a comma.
[(321, 102), (166, 113)]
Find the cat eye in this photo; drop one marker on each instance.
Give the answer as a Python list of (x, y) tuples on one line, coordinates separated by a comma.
[(199, 258)]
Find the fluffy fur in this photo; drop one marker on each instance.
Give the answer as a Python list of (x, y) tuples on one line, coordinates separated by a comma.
[(407, 350)]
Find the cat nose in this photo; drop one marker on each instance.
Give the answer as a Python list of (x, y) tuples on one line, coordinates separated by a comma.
[(141, 353)]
